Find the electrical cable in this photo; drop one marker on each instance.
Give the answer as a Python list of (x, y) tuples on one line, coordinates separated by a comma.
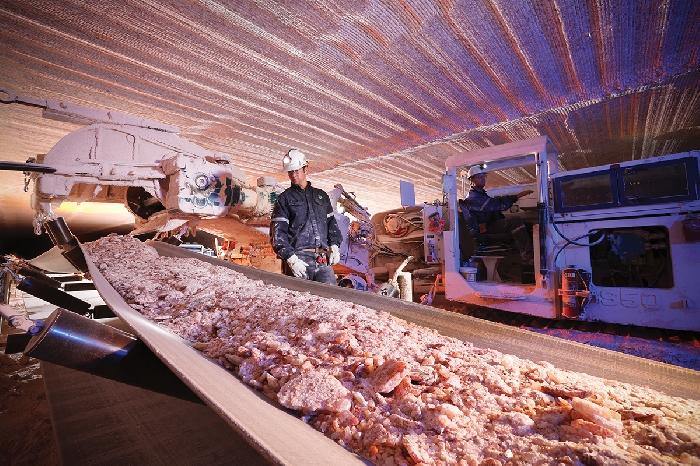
[(569, 241)]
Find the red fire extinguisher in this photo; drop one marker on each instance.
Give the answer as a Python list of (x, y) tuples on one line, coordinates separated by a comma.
[(573, 292)]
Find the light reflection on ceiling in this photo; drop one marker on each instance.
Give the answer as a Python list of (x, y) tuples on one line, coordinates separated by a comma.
[(373, 91)]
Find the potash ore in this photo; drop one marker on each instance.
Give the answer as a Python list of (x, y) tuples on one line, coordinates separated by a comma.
[(393, 392)]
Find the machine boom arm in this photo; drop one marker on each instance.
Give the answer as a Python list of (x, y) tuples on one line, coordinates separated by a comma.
[(168, 183)]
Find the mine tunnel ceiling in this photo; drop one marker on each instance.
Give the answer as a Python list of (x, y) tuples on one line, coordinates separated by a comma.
[(372, 91)]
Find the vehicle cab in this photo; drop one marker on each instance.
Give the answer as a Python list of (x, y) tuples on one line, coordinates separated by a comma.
[(512, 168), (617, 243)]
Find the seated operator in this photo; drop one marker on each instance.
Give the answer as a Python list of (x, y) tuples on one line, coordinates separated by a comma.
[(303, 230), (488, 213)]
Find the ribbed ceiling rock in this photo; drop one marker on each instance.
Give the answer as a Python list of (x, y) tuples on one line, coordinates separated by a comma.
[(372, 91)]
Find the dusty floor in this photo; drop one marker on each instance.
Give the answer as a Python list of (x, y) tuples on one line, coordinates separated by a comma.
[(678, 354), (26, 437)]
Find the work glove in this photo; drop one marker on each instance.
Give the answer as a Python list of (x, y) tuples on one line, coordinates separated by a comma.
[(334, 257), (298, 266)]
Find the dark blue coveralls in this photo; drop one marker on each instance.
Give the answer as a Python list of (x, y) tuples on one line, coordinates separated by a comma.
[(488, 212), (303, 224)]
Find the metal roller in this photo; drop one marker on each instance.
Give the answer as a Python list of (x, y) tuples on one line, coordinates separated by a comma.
[(62, 237), (30, 271), (80, 343), (55, 296), (70, 340)]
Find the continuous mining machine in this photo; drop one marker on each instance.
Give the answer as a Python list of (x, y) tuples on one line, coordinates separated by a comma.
[(618, 243)]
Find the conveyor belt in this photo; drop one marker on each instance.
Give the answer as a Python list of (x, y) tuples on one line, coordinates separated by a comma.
[(281, 438), (564, 354)]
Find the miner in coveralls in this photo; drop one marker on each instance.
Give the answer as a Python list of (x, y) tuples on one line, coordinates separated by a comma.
[(488, 214), (303, 231)]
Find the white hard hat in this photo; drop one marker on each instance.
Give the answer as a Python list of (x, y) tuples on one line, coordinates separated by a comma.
[(475, 170), (294, 160)]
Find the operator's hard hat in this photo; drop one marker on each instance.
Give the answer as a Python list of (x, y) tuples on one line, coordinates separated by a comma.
[(475, 170), (294, 160)]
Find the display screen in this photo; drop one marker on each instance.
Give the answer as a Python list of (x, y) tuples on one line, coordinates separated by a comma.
[(655, 182), (586, 191), (643, 184)]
